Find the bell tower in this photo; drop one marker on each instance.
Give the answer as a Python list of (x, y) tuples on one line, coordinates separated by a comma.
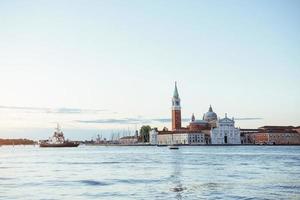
[(176, 110)]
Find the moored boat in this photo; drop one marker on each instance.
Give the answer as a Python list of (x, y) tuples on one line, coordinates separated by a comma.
[(58, 140), (173, 147)]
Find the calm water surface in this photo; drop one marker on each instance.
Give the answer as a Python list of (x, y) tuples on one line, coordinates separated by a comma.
[(207, 172)]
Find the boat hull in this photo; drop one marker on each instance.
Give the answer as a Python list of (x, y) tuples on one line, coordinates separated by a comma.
[(173, 147), (68, 144)]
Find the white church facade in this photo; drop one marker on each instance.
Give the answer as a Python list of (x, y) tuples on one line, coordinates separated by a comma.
[(225, 132)]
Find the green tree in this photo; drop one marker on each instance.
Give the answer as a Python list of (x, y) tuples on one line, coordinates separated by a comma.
[(144, 133)]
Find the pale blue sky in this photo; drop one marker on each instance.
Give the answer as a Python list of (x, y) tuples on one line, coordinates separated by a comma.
[(115, 62)]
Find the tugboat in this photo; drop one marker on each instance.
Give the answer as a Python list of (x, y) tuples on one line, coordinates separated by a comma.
[(58, 140)]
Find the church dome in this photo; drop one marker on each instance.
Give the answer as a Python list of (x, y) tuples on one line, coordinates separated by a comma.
[(210, 115)]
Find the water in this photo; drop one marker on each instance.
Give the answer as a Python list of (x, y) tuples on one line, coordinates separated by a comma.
[(207, 172)]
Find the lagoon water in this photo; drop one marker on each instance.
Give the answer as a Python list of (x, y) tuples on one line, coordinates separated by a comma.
[(99, 172)]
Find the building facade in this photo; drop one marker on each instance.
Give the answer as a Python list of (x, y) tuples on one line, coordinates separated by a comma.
[(274, 135), (180, 138), (291, 137), (225, 132), (128, 140), (153, 137)]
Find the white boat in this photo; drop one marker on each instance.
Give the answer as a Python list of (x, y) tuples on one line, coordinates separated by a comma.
[(58, 140)]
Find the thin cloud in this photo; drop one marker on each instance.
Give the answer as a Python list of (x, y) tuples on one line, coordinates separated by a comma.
[(249, 118), (21, 108), (52, 110), (165, 120), (114, 121), (127, 121), (142, 120), (76, 110)]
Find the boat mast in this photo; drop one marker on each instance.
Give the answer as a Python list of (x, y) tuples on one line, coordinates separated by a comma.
[(58, 128)]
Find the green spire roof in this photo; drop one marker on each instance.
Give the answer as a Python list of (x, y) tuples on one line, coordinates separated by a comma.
[(175, 94)]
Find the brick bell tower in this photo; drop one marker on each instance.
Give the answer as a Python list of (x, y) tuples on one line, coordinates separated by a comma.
[(176, 110)]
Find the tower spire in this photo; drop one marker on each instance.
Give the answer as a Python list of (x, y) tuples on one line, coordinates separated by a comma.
[(175, 94)]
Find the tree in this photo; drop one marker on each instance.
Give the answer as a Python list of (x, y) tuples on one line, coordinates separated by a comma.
[(144, 132)]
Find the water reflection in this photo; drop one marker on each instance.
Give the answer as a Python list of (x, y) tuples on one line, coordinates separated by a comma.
[(237, 172), (176, 176)]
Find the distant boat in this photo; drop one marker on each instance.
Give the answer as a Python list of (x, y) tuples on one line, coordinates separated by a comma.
[(173, 147), (58, 140)]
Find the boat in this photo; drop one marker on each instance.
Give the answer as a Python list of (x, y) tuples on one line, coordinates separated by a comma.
[(58, 140), (173, 147)]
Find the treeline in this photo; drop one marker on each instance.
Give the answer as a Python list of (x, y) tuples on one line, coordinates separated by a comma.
[(16, 142)]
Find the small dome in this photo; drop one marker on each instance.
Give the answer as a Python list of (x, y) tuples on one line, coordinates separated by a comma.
[(210, 115)]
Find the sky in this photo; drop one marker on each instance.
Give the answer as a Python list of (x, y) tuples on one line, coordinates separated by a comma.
[(107, 65)]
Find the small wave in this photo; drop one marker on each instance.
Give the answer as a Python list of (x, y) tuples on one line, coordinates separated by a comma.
[(241, 197), (87, 163), (290, 187), (210, 185), (206, 186), (93, 183), (178, 189), (5, 179), (234, 176), (136, 181), (289, 164), (245, 164)]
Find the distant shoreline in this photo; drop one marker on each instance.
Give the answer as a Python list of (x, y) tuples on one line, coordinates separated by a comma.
[(17, 142), (145, 145)]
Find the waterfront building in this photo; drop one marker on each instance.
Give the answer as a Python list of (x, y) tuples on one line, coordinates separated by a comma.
[(180, 138), (153, 136), (225, 132), (276, 135), (247, 135), (128, 140), (197, 132), (211, 130), (272, 135)]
